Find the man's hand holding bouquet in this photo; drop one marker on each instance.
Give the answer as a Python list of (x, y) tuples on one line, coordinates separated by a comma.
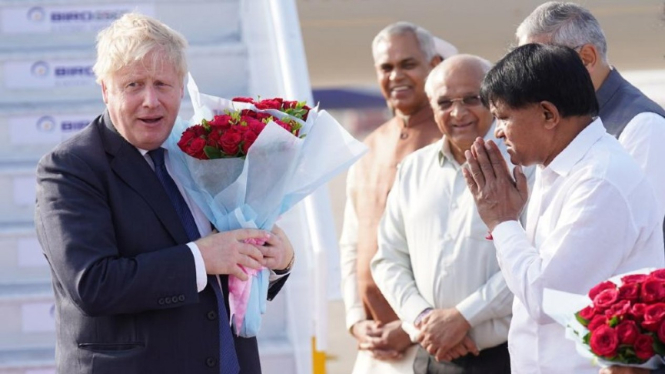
[(246, 162)]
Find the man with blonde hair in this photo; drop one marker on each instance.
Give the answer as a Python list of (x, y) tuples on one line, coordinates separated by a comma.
[(139, 278)]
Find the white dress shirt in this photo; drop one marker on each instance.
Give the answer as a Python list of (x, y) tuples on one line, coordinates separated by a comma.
[(644, 138), (591, 216), (433, 251)]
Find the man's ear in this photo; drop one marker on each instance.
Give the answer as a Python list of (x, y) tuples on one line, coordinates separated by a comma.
[(104, 92), (435, 61), (590, 56), (551, 115)]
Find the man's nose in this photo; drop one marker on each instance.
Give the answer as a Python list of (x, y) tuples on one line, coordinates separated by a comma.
[(458, 109), (396, 73), (498, 130), (150, 97)]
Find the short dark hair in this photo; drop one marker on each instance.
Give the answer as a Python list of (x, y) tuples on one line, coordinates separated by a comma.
[(536, 72)]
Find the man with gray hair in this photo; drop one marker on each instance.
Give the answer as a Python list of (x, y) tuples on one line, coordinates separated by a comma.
[(139, 277), (404, 54), (434, 265), (634, 119)]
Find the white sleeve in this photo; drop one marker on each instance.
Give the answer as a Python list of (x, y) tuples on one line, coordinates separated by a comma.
[(391, 266), (355, 310), (644, 138), (594, 222), (201, 277)]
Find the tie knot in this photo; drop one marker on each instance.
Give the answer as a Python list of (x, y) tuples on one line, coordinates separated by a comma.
[(157, 156)]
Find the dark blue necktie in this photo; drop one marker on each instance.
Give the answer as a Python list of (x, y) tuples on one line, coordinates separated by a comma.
[(227, 355)]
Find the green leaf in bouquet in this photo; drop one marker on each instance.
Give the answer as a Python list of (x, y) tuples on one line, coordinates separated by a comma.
[(587, 338), (613, 322), (658, 346), (582, 321), (205, 124), (212, 152)]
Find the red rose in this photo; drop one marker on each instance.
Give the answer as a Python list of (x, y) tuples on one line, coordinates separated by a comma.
[(263, 116), (587, 313), (618, 309), (604, 341), (597, 321), (605, 298), (637, 311), (222, 121), (286, 126), (627, 331), (601, 287), (653, 290), (213, 138), (243, 99), (255, 125), (633, 278), (658, 274), (195, 149), (275, 103), (629, 291), (248, 139), (653, 316), (230, 142), (644, 347)]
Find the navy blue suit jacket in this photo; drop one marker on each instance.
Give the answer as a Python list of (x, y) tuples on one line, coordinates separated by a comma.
[(123, 276)]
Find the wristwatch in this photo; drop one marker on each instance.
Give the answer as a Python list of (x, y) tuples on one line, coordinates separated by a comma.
[(288, 267)]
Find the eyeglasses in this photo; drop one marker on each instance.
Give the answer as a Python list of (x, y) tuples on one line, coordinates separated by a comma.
[(466, 101)]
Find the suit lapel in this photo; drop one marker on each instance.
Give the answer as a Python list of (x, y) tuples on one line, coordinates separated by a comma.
[(130, 166)]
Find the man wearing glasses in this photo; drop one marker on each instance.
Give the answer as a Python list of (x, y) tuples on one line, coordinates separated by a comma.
[(435, 265), (627, 114)]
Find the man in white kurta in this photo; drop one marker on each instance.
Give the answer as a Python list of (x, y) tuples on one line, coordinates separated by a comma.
[(592, 213), (434, 264)]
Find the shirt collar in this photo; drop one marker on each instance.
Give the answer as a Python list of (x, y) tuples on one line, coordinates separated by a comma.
[(446, 154), (573, 153)]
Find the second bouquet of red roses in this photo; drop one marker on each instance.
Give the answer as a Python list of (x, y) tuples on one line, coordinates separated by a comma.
[(624, 324)]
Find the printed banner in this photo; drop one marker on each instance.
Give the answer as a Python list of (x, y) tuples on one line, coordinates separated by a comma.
[(46, 129), (67, 19)]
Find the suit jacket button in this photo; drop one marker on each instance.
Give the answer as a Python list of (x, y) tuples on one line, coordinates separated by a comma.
[(161, 301), (181, 298), (212, 315), (210, 361), (167, 300), (174, 299)]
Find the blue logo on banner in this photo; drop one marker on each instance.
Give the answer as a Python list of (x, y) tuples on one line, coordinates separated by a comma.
[(36, 14), (46, 124), (74, 71), (39, 69)]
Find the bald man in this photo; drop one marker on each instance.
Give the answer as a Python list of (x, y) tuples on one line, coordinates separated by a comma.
[(434, 265)]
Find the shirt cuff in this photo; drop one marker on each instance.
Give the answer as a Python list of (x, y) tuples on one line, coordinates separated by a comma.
[(274, 276), (504, 231), (201, 276), (353, 316), (471, 308), (413, 308), (412, 331)]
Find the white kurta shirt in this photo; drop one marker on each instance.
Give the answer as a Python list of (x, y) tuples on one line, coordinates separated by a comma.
[(592, 215), (432, 247), (644, 138)]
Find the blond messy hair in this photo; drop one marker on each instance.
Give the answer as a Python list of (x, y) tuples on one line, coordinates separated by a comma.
[(133, 36)]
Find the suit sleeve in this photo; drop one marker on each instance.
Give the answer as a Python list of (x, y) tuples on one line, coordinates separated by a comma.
[(75, 226)]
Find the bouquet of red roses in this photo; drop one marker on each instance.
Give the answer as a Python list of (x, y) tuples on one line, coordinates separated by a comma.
[(231, 134), (625, 322), (246, 162)]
